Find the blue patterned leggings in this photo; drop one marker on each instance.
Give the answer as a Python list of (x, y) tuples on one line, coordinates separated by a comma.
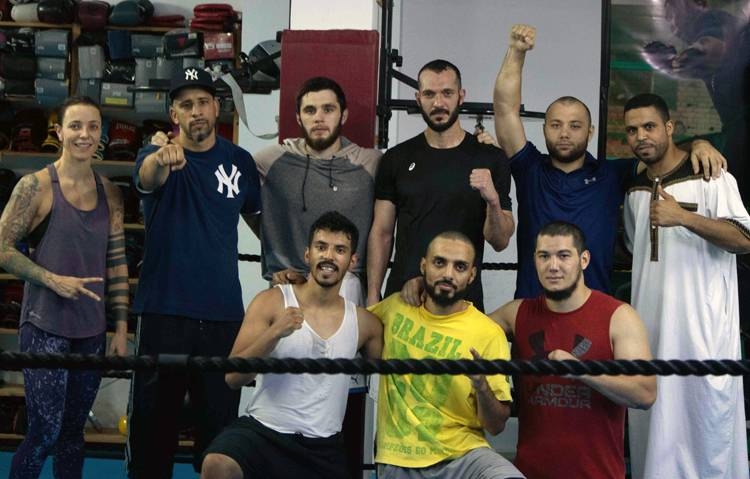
[(57, 405)]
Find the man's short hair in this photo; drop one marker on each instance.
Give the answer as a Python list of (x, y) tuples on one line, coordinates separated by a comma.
[(439, 66), (453, 235), (335, 222), (570, 100), (316, 84), (645, 100), (563, 228)]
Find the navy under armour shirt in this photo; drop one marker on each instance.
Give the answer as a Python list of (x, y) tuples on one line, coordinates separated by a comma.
[(589, 197), (190, 256)]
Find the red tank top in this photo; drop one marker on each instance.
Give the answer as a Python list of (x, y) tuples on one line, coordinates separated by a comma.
[(566, 428)]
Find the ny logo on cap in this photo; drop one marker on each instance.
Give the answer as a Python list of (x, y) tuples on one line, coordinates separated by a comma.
[(191, 74)]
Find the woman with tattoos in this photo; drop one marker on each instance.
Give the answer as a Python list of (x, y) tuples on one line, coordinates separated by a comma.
[(73, 221)]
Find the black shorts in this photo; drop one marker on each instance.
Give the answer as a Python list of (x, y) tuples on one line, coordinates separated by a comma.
[(263, 452)]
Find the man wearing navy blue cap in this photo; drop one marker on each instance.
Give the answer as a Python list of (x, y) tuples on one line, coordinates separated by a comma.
[(191, 77), (194, 190)]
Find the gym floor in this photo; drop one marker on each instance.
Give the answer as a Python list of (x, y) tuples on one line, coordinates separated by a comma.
[(94, 468)]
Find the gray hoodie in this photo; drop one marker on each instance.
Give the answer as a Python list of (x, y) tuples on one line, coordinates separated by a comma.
[(297, 189)]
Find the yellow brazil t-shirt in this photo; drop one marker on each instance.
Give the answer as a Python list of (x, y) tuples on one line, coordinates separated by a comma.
[(425, 419)]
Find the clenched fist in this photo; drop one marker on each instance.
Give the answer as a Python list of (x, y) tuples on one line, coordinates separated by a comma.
[(289, 322), (522, 37), (481, 180)]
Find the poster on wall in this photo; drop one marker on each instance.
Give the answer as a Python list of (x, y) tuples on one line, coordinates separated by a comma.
[(696, 55)]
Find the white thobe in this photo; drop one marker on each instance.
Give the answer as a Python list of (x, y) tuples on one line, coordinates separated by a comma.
[(689, 302)]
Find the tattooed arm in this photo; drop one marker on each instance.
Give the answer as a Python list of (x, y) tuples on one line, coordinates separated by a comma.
[(28, 205), (118, 290), (18, 217)]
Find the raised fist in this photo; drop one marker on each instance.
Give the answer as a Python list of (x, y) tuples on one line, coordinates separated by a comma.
[(522, 37)]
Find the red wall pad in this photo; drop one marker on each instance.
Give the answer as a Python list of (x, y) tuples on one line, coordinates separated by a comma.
[(348, 56)]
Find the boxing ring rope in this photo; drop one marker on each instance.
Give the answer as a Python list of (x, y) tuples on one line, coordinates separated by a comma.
[(173, 363), (121, 366)]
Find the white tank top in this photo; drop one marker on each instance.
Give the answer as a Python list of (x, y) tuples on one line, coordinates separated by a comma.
[(309, 404)]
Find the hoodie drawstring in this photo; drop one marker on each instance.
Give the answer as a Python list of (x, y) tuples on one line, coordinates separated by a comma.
[(330, 176), (331, 185), (304, 182)]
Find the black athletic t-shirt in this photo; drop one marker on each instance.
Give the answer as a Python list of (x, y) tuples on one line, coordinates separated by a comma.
[(431, 191)]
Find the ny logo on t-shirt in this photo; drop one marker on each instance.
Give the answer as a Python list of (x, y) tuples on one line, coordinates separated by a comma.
[(231, 181)]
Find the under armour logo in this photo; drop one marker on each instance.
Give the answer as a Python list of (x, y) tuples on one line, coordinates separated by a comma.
[(589, 180), (411, 167), (536, 342), (191, 74), (230, 181), (581, 345)]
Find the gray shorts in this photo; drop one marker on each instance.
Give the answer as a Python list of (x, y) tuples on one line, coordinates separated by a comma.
[(481, 463)]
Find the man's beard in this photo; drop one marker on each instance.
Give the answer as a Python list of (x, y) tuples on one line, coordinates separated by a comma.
[(331, 283), (565, 293), (659, 152), (440, 127), (200, 134), (577, 152), (320, 144), (442, 299)]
